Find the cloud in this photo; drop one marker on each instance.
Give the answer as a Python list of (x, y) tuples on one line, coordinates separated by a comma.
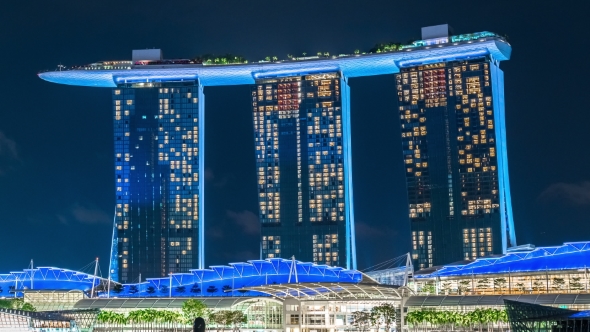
[(571, 193), (209, 176), (211, 179), (247, 220), (8, 153), (84, 214), (364, 230)]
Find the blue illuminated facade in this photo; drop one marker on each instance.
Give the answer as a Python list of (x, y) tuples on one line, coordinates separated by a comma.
[(315, 205), (455, 158), (158, 171), (46, 278), (303, 172)]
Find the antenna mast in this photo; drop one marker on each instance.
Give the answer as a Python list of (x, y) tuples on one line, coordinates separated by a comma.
[(94, 279)]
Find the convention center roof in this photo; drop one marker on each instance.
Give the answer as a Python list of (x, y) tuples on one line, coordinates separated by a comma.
[(569, 256)]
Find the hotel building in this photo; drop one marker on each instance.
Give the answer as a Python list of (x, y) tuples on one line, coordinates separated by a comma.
[(454, 147)]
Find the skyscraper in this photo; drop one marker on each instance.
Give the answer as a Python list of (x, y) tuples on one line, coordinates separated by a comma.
[(158, 179), (302, 163), (454, 146)]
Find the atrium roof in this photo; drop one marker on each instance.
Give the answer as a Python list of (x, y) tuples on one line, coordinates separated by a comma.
[(569, 256)]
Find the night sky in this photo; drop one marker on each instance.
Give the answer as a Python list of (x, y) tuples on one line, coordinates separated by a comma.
[(56, 144)]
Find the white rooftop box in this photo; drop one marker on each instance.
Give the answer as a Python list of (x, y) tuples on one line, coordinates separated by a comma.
[(436, 31), (151, 54)]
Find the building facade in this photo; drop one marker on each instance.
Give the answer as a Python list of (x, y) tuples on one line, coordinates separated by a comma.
[(157, 179), (454, 146), (303, 166)]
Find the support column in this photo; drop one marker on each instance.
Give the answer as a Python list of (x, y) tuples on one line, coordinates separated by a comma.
[(201, 126), (507, 222), (348, 190)]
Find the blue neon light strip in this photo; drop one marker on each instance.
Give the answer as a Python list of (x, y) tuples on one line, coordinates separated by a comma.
[(294, 72), (348, 191), (507, 219), (154, 78), (201, 127), (443, 58)]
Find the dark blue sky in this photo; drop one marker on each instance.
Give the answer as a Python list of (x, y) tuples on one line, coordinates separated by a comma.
[(56, 150)]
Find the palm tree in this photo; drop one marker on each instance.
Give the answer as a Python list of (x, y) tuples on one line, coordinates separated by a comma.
[(499, 284), (133, 289), (118, 288), (195, 289), (150, 290), (180, 289), (212, 289)]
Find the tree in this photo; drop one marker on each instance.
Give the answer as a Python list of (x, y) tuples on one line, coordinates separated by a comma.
[(195, 289), (499, 284), (463, 286), (192, 309), (133, 289), (386, 314), (226, 288), (28, 307), (1, 290), (558, 283), (237, 318), (110, 317), (428, 288), (361, 320), (575, 284), (446, 287), (164, 289), (150, 290), (180, 289), (118, 288), (538, 284), (212, 289), (483, 284), (222, 318)]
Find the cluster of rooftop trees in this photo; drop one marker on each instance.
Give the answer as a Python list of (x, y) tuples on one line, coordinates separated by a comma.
[(452, 320)]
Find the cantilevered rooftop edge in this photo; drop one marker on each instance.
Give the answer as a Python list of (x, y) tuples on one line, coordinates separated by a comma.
[(358, 65)]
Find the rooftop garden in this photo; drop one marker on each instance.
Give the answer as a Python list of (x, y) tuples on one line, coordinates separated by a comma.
[(230, 59)]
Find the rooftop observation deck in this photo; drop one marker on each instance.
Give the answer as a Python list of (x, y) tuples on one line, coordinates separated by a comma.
[(422, 52)]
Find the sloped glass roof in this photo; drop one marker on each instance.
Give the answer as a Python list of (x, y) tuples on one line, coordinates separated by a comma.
[(216, 281), (569, 256)]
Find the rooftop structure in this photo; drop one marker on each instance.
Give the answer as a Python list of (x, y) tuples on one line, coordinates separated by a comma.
[(217, 281), (111, 73)]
